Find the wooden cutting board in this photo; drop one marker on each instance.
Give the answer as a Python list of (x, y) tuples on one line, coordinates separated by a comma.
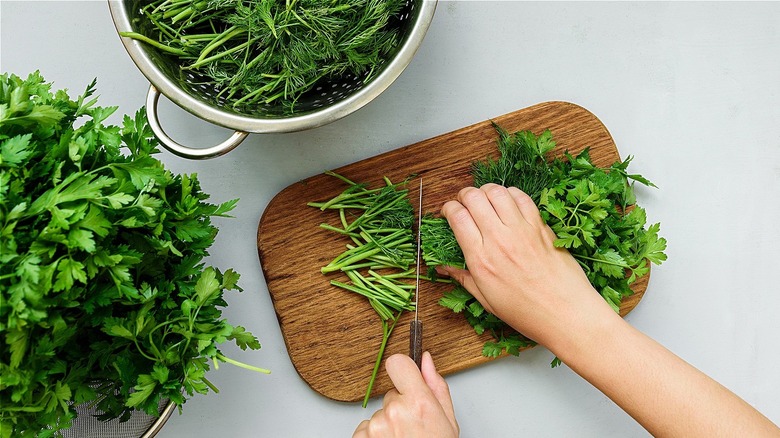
[(333, 335)]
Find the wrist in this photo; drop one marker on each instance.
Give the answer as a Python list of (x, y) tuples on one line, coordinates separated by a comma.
[(583, 330)]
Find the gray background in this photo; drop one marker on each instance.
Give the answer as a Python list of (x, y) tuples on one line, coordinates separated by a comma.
[(690, 89)]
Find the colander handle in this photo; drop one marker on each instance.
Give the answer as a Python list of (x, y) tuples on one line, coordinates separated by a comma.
[(152, 98)]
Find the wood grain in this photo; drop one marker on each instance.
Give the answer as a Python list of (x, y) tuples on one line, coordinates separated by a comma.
[(332, 335)]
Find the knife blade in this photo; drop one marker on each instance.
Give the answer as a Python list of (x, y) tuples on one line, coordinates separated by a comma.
[(416, 326)]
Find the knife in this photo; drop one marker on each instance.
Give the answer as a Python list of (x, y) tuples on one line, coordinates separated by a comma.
[(416, 326)]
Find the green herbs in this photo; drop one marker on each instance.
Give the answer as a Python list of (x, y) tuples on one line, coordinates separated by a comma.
[(266, 51), (521, 163), (591, 210), (382, 250), (438, 243), (105, 298)]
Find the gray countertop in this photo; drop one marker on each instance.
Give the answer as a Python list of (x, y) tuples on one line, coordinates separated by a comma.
[(692, 90)]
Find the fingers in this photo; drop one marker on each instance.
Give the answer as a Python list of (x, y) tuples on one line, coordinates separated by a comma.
[(438, 386), (504, 203), (420, 404), (377, 426), (404, 374), (479, 206), (361, 430), (491, 205), (526, 206), (408, 379), (389, 397), (463, 226)]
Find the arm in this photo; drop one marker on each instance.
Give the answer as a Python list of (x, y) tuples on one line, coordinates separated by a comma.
[(516, 273)]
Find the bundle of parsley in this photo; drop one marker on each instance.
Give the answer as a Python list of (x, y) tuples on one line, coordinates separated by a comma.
[(592, 211), (105, 296)]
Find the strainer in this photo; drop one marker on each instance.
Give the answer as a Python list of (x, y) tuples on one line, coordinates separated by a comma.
[(328, 102), (140, 424)]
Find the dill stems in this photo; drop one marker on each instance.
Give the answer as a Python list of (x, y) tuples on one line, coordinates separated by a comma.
[(269, 52)]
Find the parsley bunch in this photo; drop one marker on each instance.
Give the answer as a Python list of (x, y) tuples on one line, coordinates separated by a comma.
[(592, 211), (105, 296)]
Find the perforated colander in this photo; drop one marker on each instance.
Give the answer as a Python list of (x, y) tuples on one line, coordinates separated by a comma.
[(140, 424), (329, 101)]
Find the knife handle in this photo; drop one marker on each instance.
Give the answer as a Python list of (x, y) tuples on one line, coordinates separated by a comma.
[(415, 342)]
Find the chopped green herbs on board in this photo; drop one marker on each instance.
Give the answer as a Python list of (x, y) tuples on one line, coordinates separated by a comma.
[(592, 211), (267, 51), (379, 258), (105, 296)]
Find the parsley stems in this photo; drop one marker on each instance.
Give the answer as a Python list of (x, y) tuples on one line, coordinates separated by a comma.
[(208, 382), (226, 359)]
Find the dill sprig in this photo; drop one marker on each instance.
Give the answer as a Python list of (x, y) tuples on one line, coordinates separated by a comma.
[(521, 162)]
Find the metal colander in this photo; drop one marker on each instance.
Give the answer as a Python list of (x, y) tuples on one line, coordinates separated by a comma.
[(328, 102), (140, 424)]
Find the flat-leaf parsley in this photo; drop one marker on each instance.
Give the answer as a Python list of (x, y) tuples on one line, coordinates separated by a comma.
[(105, 296)]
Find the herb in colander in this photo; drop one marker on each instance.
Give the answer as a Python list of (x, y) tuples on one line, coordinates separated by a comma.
[(271, 52)]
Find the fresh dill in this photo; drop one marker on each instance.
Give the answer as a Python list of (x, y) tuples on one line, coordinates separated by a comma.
[(267, 52)]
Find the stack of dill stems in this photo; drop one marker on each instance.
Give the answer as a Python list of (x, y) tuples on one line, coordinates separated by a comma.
[(264, 52)]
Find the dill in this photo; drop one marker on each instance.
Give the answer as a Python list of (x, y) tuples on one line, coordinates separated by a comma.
[(267, 52)]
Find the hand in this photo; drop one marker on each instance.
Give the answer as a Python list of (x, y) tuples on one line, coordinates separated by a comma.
[(514, 269), (516, 273), (419, 406)]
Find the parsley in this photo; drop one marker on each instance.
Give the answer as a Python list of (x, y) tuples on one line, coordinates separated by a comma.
[(105, 296), (592, 211)]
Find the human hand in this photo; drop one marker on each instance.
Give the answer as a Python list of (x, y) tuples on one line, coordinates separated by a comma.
[(514, 269), (419, 406)]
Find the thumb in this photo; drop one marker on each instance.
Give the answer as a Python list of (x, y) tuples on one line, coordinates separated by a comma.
[(438, 387)]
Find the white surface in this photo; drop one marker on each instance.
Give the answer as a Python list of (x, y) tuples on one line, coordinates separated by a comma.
[(691, 90)]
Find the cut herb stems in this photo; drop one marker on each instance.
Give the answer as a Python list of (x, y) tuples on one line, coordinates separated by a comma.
[(378, 223)]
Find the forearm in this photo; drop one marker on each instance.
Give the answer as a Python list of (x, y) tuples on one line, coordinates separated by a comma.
[(665, 394)]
